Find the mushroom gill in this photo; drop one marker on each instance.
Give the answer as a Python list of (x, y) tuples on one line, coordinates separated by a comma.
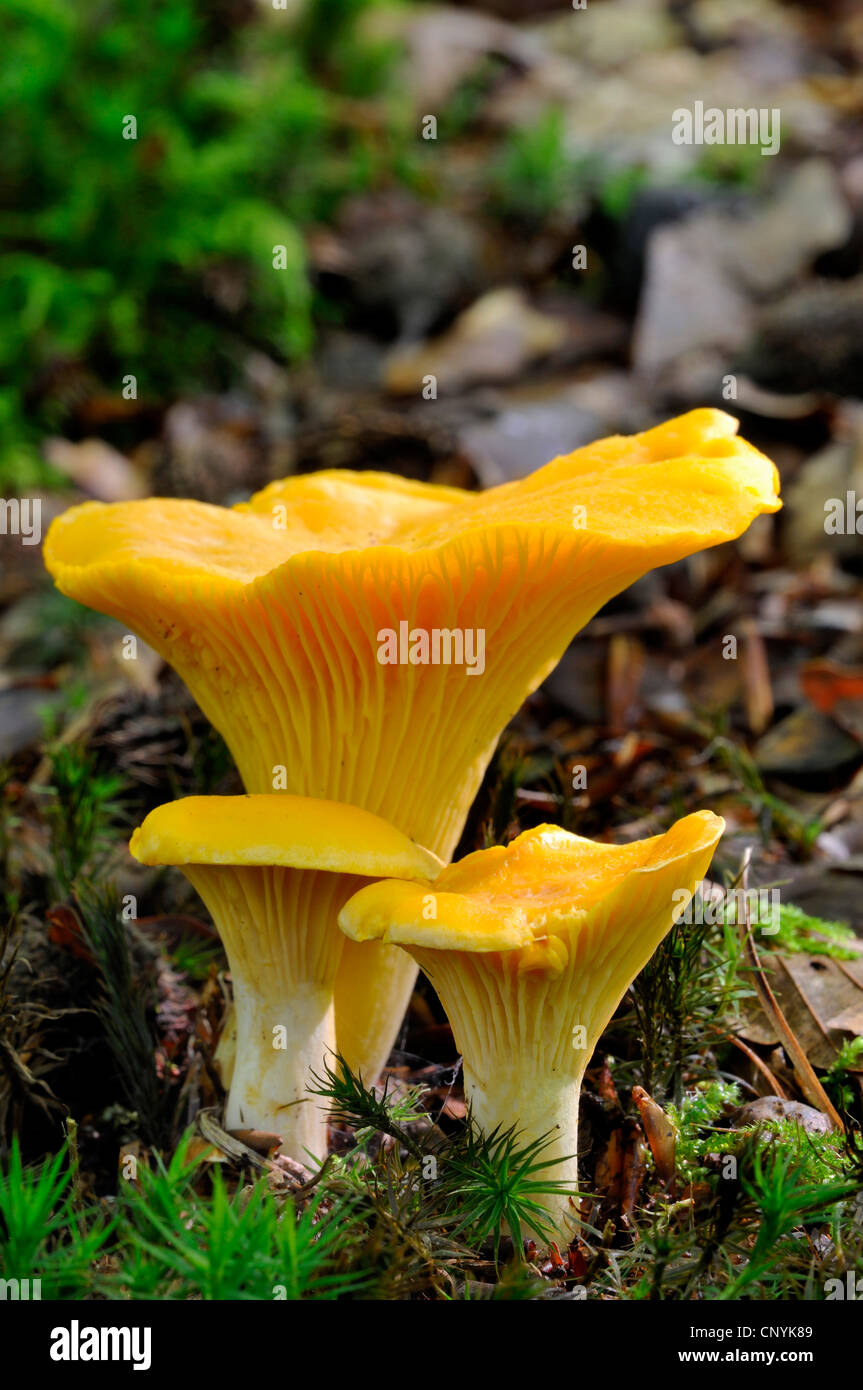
[(274, 872), (531, 948), (364, 638)]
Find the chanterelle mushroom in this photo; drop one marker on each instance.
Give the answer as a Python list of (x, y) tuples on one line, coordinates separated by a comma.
[(307, 622), (274, 871), (531, 948)]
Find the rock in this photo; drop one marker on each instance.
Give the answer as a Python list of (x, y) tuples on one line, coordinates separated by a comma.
[(703, 274), (22, 717), (774, 1108), (408, 265), (444, 45), (650, 209), (808, 215), (610, 35), (831, 891), (520, 440), (831, 473), (808, 745), (210, 451), (811, 340), (618, 107), (691, 299), (535, 425)]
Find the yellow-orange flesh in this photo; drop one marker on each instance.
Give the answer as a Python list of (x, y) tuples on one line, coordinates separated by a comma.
[(531, 948), (273, 613), (274, 872)]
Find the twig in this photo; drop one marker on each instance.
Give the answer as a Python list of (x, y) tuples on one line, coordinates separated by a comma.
[(808, 1081), (758, 1062)]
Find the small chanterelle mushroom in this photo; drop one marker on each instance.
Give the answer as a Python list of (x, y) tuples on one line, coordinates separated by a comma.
[(366, 638), (531, 948), (274, 871)]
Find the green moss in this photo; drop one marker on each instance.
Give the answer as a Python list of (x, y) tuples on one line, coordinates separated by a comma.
[(800, 933), (154, 256), (534, 176)]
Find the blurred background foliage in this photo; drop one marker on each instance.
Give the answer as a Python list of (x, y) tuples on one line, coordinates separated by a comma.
[(154, 256), (259, 126), (430, 172)]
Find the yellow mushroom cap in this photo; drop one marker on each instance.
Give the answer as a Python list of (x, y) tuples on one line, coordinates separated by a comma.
[(534, 892), (709, 481), (279, 830), (274, 870), (531, 947), (272, 612), (292, 617), (710, 487)]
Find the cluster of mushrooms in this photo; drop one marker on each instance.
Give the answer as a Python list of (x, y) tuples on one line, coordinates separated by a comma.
[(330, 881)]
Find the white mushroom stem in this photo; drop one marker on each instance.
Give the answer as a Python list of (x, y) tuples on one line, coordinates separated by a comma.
[(278, 926), (531, 948), (280, 1042), (535, 1105), (525, 1037), (275, 871)]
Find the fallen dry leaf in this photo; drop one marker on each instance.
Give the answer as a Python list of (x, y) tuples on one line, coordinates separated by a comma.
[(660, 1132), (97, 468), (495, 339), (836, 690), (821, 998), (808, 1082)]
